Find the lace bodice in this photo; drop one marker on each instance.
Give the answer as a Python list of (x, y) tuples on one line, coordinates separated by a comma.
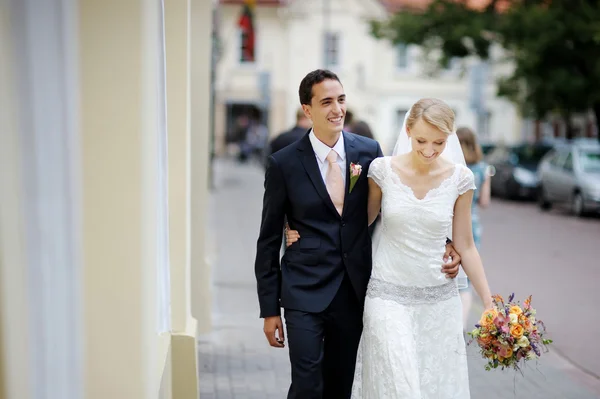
[(413, 230)]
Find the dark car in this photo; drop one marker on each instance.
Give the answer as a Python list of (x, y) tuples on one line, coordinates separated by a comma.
[(514, 169), (486, 148)]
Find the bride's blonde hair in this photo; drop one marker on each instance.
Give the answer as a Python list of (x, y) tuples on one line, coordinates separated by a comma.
[(433, 111)]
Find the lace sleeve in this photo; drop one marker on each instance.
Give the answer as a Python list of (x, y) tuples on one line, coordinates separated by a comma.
[(466, 180), (377, 171)]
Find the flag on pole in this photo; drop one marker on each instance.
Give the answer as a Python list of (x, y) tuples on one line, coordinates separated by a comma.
[(246, 25)]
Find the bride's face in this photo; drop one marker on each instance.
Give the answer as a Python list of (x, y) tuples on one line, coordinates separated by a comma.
[(427, 141)]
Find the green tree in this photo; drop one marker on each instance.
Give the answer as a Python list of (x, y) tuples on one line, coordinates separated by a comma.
[(554, 46)]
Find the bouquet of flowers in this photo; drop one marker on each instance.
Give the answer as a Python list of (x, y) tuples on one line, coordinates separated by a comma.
[(509, 334)]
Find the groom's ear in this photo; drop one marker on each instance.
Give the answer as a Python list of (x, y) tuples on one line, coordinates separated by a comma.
[(307, 111)]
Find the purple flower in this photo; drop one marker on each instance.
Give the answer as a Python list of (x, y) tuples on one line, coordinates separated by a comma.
[(511, 297), (536, 349)]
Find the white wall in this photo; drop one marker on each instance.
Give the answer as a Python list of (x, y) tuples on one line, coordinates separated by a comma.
[(290, 44)]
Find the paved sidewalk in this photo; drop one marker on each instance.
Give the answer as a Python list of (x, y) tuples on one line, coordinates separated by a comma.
[(235, 360)]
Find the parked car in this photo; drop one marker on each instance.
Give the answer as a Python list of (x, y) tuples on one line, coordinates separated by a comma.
[(514, 169), (570, 174), (486, 148)]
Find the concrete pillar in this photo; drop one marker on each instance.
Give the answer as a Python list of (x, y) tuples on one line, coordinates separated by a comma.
[(184, 344), (120, 47), (177, 50), (201, 22)]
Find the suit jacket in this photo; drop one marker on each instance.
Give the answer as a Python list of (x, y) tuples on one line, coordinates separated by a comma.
[(331, 244)]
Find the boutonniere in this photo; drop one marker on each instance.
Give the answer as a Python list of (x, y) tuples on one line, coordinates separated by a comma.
[(355, 171)]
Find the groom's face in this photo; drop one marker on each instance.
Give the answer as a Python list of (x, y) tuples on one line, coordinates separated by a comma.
[(327, 109)]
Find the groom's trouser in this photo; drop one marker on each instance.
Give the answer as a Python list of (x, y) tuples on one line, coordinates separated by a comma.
[(323, 347)]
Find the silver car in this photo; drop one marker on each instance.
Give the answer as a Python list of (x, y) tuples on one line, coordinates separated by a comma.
[(570, 174)]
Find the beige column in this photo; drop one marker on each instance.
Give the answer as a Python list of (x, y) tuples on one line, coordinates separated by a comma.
[(177, 45), (184, 344), (120, 101), (201, 26)]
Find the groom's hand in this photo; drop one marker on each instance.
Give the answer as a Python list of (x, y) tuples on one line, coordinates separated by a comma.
[(451, 262), (274, 325)]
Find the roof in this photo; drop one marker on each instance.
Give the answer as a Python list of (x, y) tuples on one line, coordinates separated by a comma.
[(397, 5), (261, 3)]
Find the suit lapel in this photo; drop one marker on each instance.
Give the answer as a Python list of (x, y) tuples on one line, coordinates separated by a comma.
[(351, 156), (309, 161)]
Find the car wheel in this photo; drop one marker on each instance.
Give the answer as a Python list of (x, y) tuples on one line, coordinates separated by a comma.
[(543, 202), (577, 206)]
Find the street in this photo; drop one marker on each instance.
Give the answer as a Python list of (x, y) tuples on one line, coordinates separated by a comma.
[(550, 256), (556, 258)]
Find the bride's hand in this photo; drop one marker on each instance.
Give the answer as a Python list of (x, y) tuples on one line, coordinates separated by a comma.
[(489, 304), (291, 236)]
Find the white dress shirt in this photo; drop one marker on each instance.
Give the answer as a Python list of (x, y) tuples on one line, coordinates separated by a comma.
[(322, 150)]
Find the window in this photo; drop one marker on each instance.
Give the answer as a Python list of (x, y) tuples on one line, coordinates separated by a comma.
[(557, 159), (401, 56), (332, 49), (247, 48), (531, 154), (484, 119), (569, 162), (590, 161)]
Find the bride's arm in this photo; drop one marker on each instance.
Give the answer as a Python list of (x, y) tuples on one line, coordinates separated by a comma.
[(462, 237), (374, 205)]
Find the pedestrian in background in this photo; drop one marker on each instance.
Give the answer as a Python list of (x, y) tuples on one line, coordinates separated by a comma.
[(362, 129), (291, 136), (348, 121), (481, 199), (255, 142)]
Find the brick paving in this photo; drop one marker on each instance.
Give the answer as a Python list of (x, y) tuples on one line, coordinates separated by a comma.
[(235, 361)]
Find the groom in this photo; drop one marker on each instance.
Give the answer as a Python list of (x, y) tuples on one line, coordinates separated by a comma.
[(322, 281)]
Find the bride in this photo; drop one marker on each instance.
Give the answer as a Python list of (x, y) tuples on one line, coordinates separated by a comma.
[(412, 345)]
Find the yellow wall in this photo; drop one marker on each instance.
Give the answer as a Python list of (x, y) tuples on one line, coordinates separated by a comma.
[(117, 61)]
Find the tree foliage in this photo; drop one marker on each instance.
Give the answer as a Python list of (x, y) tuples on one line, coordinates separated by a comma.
[(554, 46)]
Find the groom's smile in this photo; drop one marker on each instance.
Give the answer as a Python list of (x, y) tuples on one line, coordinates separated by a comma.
[(337, 121)]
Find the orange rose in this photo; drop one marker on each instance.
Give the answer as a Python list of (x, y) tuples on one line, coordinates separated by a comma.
[(515, 309), (517, 331), (485, 339), (487, 318)]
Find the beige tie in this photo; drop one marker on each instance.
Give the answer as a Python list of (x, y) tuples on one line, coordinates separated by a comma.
[(334, 182)]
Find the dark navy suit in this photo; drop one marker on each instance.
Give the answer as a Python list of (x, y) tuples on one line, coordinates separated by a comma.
[(322, 280)]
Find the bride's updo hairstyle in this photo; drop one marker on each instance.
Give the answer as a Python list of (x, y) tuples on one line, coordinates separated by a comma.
[(433, 111)]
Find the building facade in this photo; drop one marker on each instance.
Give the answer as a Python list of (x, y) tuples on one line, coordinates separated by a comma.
[(381, 80)]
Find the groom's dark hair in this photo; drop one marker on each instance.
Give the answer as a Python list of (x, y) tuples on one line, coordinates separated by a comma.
[(314, 78)]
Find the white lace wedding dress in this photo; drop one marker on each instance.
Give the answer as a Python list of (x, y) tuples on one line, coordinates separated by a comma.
[(412, 346)]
